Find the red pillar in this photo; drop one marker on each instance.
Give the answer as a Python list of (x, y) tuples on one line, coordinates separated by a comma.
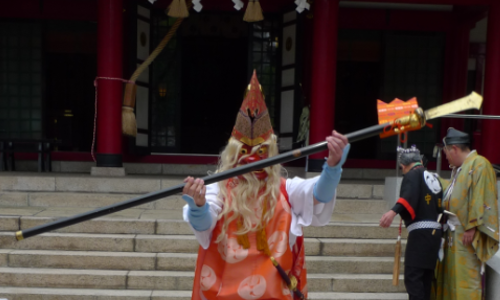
[(323, 77), (109, 91), (457, 52), (491, 103), (307, 59)]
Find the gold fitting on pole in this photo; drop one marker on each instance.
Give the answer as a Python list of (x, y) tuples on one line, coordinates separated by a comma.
[(275, 263), (413, 121), (19, 236), (293, 283)]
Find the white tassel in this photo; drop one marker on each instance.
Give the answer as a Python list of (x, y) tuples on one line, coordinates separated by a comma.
[(441, 250), (238, 4)]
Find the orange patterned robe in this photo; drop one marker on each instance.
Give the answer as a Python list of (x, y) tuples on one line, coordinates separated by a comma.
[(227, 271)]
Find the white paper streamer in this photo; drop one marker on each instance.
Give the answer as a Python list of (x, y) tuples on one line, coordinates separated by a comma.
[(152, 1), (238, 4), (197, 5), (301, 5)]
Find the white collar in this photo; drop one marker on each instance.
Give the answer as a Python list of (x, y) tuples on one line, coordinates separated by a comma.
[(470, 153)]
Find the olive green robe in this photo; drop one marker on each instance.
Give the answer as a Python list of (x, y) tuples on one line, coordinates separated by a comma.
[(474, 200)]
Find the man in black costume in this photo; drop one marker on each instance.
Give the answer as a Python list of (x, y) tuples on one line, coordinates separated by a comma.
[(419, 207)]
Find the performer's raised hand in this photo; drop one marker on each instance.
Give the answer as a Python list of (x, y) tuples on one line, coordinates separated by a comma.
[(336, 144), (195, 188)]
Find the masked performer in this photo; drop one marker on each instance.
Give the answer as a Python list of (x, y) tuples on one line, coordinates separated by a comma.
[(250, 227), (419, 207)]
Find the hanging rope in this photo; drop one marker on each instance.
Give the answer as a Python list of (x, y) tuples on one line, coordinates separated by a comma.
[(129, 125)]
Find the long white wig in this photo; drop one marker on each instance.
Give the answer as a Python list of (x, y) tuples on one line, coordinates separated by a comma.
[(246, 198)]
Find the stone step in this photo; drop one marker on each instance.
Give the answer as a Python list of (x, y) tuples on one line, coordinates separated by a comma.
[(180, 244), (357, 296), (13, 293), (342, 228), (172, 261), (357, 247), (345, 211), (85, 183), (354, 283), (139, 185), (355, 231), (11, 218), (352, 230), (78, 199), (93, 260), (101, 225), (64, 212), (354, 218), (360, 206), (167, 280), (94, 200)]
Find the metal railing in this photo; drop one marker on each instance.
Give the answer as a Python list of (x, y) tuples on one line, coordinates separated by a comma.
[(461, 116)]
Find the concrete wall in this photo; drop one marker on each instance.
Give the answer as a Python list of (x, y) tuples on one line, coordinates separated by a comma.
[(391, 190)]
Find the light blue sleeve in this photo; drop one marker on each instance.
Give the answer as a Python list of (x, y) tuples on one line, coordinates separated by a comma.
[(324, 190), (199, 216)]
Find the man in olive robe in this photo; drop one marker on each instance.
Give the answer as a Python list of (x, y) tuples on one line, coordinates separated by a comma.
[(471, 231)]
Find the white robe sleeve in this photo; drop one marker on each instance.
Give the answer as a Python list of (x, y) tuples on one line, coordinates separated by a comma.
[(214, 208), (304, 211)]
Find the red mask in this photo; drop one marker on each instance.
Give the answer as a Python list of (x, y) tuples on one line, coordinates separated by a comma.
[(261, 153)]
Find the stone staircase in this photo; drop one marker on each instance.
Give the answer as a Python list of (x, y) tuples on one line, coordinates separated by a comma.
[(148, 252)]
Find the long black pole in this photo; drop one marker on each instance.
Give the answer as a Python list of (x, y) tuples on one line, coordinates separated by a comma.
[(278, 159)]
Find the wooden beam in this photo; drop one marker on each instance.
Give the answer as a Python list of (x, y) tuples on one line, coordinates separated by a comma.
[(51, 9), (381, 19), (436, 2)]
